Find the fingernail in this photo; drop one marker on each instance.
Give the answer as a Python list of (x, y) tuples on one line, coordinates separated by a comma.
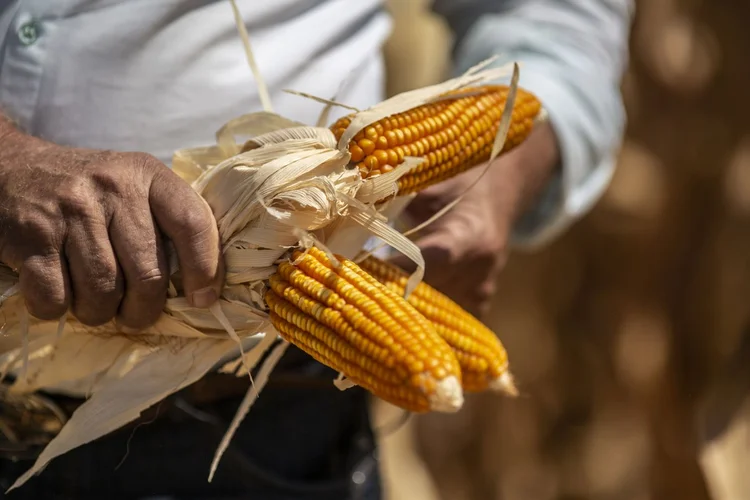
[(204, 297)]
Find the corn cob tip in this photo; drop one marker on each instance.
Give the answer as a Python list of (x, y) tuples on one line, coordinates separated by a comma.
[(504, 384), (448, 396)]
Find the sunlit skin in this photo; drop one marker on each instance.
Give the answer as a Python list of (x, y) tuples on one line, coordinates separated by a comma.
[(86, 229)]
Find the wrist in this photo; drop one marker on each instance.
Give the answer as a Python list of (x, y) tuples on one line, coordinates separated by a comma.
[(528, 169), (7, 129), (15, 142)]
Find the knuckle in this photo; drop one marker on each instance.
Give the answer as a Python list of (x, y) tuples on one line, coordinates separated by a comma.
[(44, 294), (110, 180), (77, 202), (149, 281), (40, 262), (35, 228), (107, 287), (124, 171), (145, 162)]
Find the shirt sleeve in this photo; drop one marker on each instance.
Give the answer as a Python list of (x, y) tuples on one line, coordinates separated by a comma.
[(572, 55)]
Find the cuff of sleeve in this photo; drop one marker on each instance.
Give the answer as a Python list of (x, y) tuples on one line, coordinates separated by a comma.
[(577, 183)]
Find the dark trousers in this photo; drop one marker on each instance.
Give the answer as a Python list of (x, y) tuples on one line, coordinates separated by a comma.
[(297, 443)]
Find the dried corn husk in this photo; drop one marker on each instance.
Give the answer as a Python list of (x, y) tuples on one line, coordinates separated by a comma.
[(291, 188)]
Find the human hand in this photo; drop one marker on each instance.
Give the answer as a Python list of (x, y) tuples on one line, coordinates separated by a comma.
[(85, 230), (467, 247)]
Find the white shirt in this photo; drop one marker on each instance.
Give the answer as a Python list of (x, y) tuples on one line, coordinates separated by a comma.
[(156, 76)]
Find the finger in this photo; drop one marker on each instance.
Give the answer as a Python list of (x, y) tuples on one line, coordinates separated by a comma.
[(443, 243), (139, 247), (44, 284), (187, 220), (448, 270), (436, 251), (440, 257), (422, 208), (437, 235), (477, 286), (95, 279)]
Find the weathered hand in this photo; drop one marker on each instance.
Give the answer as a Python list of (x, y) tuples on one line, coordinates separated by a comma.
[(467, 247), (86, 229)]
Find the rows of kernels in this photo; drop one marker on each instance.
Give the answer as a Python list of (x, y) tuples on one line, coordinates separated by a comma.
[(451, 134), (382, 146), (365, 302), (474, 146), (417, 333), (323, 351), (480, 353), (352, 323), (337, 321), (439, 349), (349, 349), (301, 280)]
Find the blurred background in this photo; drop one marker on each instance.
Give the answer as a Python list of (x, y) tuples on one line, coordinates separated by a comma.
[(629, 336)]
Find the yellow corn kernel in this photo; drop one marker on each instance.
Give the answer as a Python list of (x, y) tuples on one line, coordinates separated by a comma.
[(347, 320), (483, 359), (451, 135)]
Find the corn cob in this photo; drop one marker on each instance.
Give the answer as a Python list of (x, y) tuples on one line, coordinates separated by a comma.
[(347, 320), (452, 135), (483, 359)]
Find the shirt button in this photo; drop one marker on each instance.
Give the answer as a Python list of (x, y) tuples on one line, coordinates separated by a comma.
[(28, 33)]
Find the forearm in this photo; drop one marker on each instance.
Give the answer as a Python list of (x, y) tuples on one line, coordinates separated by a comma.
[(532, 165), (15, 143), (572, 56)]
